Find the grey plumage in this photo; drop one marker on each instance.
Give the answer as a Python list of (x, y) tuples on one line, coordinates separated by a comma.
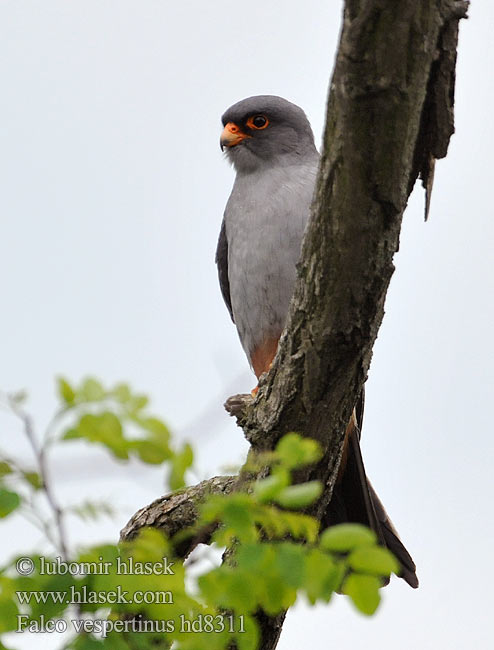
[(265, 216)]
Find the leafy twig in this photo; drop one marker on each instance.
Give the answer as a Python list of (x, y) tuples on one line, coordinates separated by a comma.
[(40, 457)]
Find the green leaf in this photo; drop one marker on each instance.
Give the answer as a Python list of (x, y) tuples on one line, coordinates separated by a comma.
[(65, 391), (253, 558), (85, 642), (229, 588), (290, 562), (5, 468), (118, 641), (276, 595), (34, 479), (19, 397), (91, 390), (276, 523), (154, 426), (273, 571), (122, 393), (249, 639), (267, 489), (239, 521), (346, 537), (299, 496), (92, 510), (150, 452), (137, 403), (323, 576), (373, 559), (101, 553), (8, 615), (9, 501), (180, 463), (293, 450), (237, 514), (153, 449), (51, 584), (104, 428), (364, 592), (150, 545)]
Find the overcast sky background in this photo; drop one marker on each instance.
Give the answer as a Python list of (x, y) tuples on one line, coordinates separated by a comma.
[(112, 188)]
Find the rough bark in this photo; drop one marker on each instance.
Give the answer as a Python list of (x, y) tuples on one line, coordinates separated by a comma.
[(389, 116), (177, 512)]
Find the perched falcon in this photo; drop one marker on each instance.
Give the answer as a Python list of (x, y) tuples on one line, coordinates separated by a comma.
[(270, 143)]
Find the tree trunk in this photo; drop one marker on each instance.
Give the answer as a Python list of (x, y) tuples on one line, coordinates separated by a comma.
[(389, 116)]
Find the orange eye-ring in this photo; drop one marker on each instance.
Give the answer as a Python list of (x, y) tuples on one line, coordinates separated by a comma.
[(257, 122)]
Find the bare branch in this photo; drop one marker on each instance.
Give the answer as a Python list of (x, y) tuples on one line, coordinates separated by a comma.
[(39, 453)]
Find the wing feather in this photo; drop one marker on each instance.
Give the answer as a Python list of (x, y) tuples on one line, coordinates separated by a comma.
[(222, 264)]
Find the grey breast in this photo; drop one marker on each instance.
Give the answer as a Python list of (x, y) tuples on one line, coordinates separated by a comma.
[(265, 219)]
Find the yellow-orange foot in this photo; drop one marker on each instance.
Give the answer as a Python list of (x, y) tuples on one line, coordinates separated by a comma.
[(255, 390)]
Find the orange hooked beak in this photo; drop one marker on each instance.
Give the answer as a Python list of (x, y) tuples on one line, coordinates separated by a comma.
[(232, 135)]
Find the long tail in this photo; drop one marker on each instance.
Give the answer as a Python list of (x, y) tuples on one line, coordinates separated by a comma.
[(354, 499)]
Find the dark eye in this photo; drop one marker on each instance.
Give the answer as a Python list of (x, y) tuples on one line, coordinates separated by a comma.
[(257, 122)]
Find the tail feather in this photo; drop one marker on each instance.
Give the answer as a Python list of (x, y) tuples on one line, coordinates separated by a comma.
[(393, 542), (355, 500)]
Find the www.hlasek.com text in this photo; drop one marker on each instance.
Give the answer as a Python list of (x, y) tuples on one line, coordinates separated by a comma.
[(81, 595)]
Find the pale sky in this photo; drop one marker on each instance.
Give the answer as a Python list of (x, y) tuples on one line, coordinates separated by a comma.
[(112, 188)]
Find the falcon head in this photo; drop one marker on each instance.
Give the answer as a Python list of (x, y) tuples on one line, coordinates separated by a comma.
[(265, 130)]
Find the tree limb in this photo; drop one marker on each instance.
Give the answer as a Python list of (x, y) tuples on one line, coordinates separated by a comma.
[(389, 116), (177, 512)]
